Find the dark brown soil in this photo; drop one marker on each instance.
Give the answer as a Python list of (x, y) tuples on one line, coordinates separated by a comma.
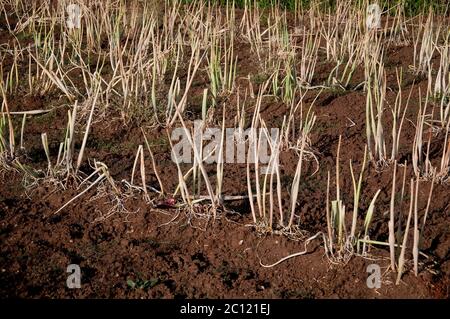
[(180, 260)]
